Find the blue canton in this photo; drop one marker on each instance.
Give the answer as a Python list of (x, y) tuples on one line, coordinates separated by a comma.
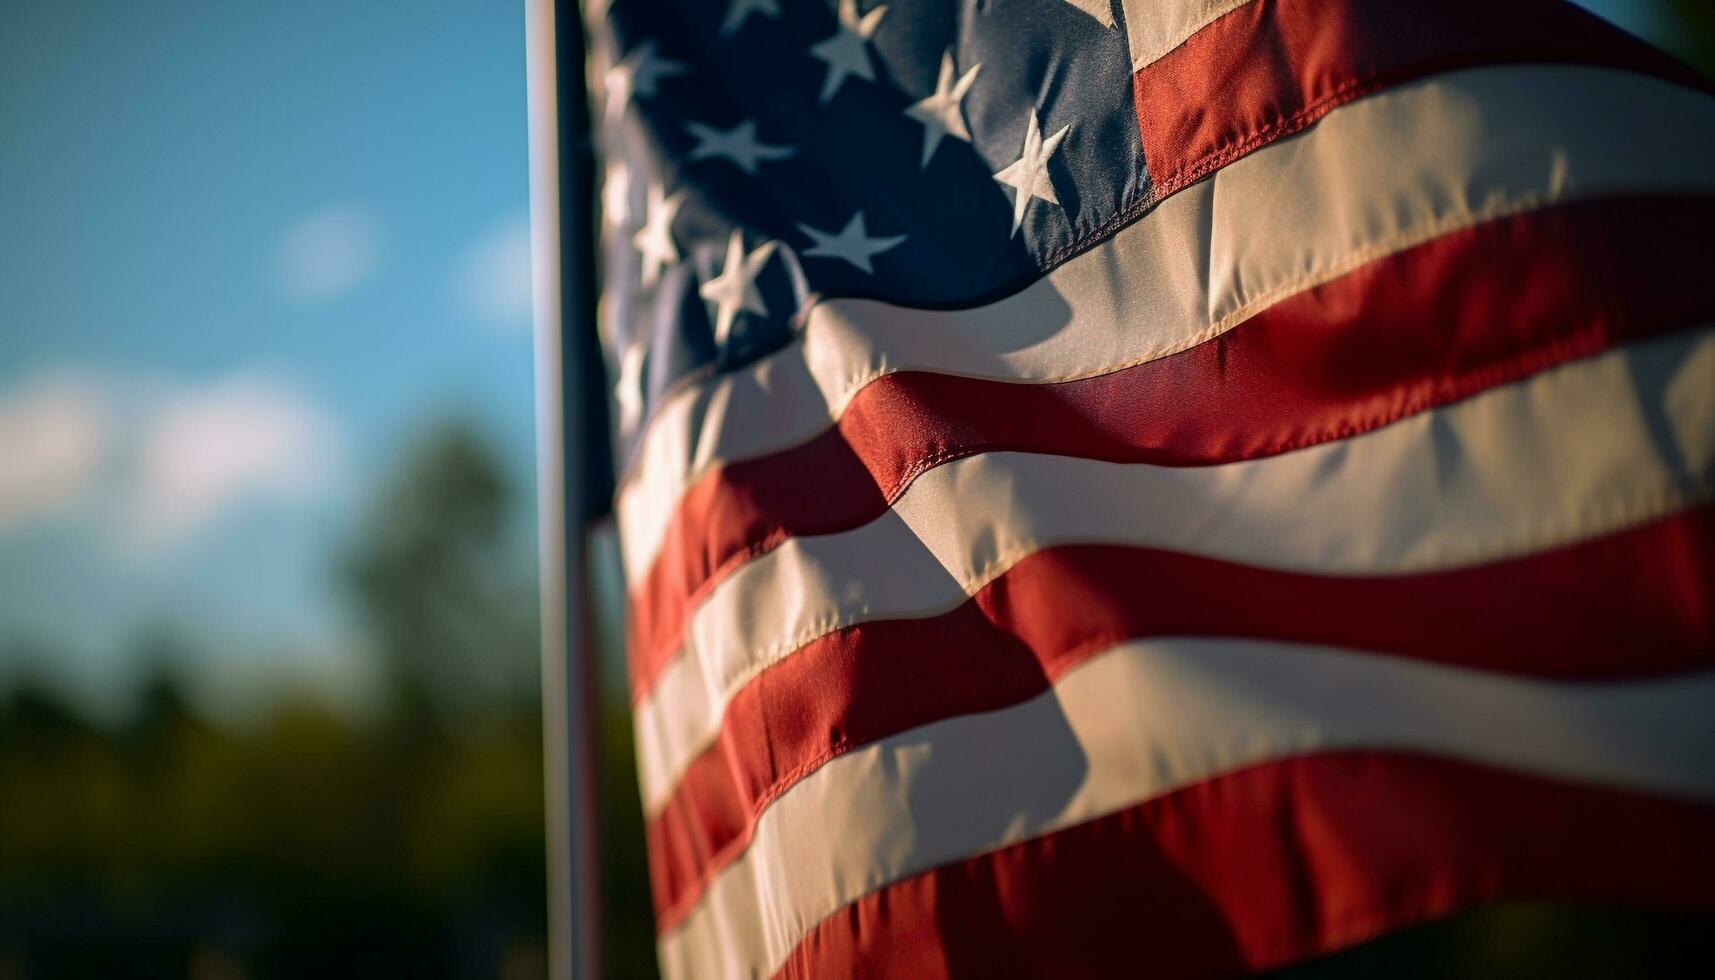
[(760, 155)]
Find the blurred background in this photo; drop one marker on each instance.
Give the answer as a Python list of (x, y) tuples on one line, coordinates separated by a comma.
[(268, 678)]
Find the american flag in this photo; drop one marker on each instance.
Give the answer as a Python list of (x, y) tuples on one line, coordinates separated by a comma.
[(1155, 486)]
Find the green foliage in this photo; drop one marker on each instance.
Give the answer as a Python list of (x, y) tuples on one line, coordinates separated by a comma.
[(177, 836), (309, 842), (444, 588), (1689, 32)]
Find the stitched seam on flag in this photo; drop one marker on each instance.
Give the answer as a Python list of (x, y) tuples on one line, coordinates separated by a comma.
[(1130, 210), (1426, 900), (1208, 12), (722, 856), (1231, 150), (1578, 345), (851, 384), (676, 915), (1357, 88), (1351, 91), (1641, 506), (1520, 362), (1481, 884), (1139, 205), (854, 383), (1267, 297), (1606, 516)]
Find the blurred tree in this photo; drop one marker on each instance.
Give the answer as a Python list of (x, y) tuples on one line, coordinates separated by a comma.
[(307, 841), (444, 589), (1689, 31), (160, 711)]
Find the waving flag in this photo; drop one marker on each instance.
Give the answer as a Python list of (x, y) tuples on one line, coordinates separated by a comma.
[(1161, 486)]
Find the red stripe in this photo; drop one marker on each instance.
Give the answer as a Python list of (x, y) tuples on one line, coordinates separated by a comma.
[(1268, 865), (1627, 605), (1273, 67), (1430, 325)]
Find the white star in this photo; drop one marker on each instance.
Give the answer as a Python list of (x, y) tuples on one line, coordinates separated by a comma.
[(737, 144), (735, 288), (739, 11), (940, 113), (628, 388), (852, 244), (845, 51), (1028, 175), (637, 75), (655, 239), (616, 195)]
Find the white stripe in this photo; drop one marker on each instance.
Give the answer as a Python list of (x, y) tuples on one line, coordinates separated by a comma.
[(1156, 27), (1584, 449), (1139, 721), (1101, 10), (1372, 178)]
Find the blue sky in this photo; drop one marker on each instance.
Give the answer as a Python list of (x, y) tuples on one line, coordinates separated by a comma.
[(291, 231), (303, 219)]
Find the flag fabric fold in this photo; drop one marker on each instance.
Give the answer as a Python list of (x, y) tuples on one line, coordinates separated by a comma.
[(1155, 484)]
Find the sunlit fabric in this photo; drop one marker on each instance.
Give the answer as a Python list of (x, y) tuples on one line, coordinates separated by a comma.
[(1167, 487)]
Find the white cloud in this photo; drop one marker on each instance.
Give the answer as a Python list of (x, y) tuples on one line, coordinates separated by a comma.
[(208, 450), (494, 275), (150, 466), (328, 253), (54, 434)]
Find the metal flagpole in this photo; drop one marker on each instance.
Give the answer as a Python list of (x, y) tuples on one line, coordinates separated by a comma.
[(568, 428)]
